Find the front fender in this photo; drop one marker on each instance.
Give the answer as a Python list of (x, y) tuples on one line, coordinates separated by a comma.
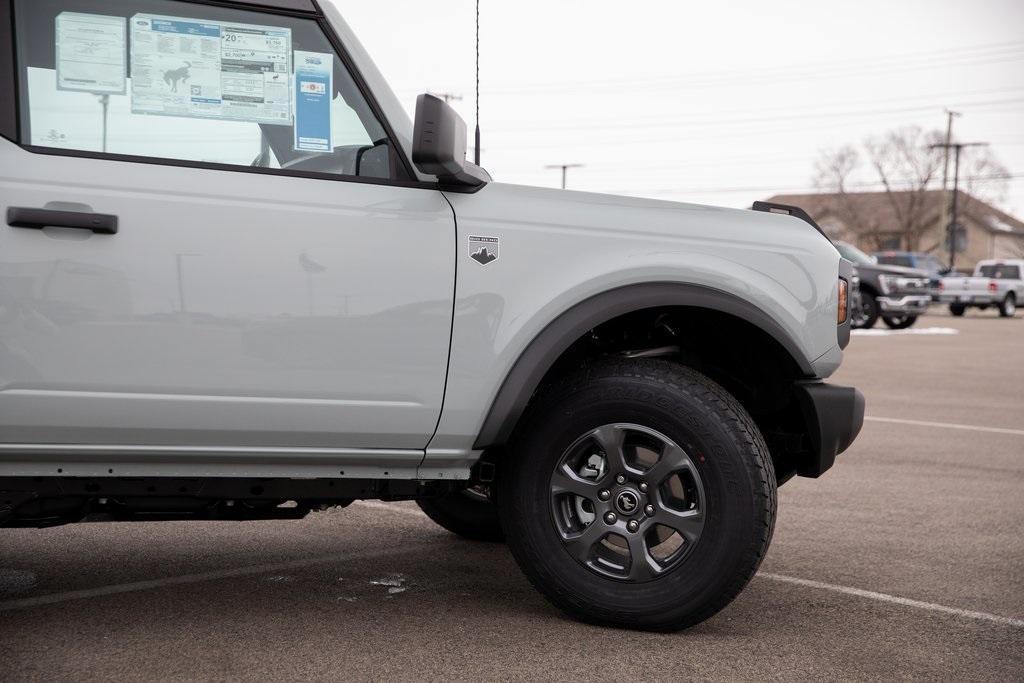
[(568, 261), (540, 355)]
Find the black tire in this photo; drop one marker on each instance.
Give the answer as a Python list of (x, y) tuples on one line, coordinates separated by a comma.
[(868, 314), (733, 464), (899, 322), (1008, 306), (957, 310), (466, 514)]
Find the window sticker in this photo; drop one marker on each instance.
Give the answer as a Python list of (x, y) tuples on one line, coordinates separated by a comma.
[(314, 89), (91, 53), (206, 69)]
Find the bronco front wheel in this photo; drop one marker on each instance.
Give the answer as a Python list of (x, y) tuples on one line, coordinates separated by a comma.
[(639, 494)]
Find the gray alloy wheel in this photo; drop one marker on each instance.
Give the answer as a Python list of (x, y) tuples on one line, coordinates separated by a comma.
[(637, 493), (866, 317), (628, 502)]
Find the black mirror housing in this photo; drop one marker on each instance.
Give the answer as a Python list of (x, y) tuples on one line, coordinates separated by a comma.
[(439, 144)]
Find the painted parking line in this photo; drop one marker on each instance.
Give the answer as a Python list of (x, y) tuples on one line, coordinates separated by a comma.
[(846, 590), (946, 425), (135, 586), (895, 600), (185, 579)]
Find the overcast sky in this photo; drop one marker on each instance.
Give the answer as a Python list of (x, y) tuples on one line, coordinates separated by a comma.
[(720, 103)]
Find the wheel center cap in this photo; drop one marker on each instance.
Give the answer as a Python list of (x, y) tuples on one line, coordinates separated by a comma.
[(627, 503)]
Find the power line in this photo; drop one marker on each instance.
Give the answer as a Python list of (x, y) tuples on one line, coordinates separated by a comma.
[(826, 68), (683, 121), (792, 189), (791, 76), (941, 59), (751, 128), (824, 108)]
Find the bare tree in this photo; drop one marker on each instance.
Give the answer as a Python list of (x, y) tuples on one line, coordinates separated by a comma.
[(906, 164), (902, 163), (904, 167), (833, 171), (984, 178)]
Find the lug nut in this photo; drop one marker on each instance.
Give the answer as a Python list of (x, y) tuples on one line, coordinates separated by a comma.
[(643, 487), (649, 510), (633, 525), (621, 479), (604, 495), (610, 518)]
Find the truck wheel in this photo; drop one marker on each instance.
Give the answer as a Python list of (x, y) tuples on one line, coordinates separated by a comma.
[(469, 514), (638, 494), (957, 310), (1008, 307), (866, 318), (900, 322)]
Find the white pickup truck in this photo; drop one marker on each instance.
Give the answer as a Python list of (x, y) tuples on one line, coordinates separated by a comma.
[(998, 283)]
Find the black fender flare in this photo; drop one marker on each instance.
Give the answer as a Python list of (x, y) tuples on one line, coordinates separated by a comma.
[(540, 355)]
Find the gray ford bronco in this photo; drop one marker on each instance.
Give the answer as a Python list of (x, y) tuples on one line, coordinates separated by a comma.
[(237, 283)]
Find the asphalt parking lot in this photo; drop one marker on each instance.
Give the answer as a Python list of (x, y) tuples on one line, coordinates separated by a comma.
[(906, 560)]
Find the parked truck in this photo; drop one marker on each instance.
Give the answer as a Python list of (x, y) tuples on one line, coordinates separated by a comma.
[(928, 263), (996, 283), (896, 294), (262, 290)]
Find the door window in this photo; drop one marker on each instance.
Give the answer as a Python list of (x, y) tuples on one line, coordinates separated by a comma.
[(171, 80), (1000, 272)]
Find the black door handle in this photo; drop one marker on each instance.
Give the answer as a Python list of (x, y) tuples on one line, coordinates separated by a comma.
[(21, 217)]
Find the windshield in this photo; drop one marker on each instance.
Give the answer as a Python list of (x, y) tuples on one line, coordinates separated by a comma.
[(853, 254), (894, 260)]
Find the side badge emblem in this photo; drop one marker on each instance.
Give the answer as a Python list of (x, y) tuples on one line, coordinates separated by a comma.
[(484, 250)]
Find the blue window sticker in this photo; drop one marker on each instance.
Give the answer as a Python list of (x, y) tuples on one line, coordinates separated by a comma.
[(314, 90)]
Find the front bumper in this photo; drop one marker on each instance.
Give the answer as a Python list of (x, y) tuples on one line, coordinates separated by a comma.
[(914, 304), (834, 416)]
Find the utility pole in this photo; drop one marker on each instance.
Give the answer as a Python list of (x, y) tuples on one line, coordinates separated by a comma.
[(565, 170), (944, 217), (957, 147)]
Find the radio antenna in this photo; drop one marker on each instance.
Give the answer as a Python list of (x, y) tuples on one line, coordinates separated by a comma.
[(476, 149)]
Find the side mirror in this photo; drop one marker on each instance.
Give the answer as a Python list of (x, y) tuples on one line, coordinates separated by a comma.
[(439, 144)]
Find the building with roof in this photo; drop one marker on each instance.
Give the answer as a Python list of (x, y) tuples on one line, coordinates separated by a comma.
[(878, 221)]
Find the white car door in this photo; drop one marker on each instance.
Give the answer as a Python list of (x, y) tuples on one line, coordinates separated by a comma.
[(260, 301)]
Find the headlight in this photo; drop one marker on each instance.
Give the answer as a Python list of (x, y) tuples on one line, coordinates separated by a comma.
[(886, 283)]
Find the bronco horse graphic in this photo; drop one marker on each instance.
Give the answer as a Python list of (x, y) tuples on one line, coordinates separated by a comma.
[(175, 76)]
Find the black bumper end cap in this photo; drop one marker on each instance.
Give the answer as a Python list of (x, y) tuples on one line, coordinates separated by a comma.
[(834, 416)]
